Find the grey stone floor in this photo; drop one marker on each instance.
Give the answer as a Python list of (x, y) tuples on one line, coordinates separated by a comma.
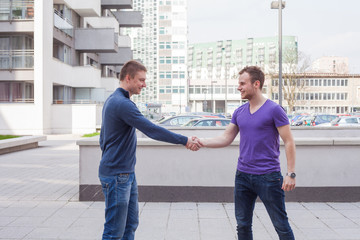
[(39, 200)]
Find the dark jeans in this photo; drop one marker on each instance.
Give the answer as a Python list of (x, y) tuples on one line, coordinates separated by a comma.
[(121, 206), (268, 188)]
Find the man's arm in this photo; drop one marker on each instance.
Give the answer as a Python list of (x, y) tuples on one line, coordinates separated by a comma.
[(221, 141), (286, 136)]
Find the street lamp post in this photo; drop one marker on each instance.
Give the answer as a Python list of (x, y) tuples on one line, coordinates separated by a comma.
[(226, 87), (226, 82), (276, 5), (205, 101)]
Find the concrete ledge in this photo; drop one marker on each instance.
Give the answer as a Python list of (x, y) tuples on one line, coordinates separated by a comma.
[(20, 143), (327, 169), (300, 141), (224, 194)]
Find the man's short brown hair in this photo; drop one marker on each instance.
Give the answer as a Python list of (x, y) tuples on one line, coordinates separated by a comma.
[(131, 68), (255, 74)]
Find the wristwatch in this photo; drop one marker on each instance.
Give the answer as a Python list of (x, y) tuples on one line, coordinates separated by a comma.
[(291, 174)]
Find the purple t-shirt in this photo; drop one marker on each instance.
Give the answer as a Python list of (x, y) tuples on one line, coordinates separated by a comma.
[(259, 137)]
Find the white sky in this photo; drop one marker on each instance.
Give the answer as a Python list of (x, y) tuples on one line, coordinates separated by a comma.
[(323, 27)]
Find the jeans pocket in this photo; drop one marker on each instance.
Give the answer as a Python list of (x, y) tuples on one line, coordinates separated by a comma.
[(122, 178), (273, 177), (104, 186)]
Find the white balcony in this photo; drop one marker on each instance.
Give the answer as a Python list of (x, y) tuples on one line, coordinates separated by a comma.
[(123, 55), (129, 18), (98, 40), (80, 76), (117, 4), (103, 22), (84, 8), (62, 23)]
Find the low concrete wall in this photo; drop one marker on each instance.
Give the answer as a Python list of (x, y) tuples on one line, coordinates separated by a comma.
[(296, 131), (20, 143), (327, 170)]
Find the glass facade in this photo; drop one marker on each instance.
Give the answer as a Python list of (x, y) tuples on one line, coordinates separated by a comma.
[(16, 10)]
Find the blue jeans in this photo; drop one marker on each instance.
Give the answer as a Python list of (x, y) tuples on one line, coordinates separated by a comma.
[(268, 187), (121, 206)]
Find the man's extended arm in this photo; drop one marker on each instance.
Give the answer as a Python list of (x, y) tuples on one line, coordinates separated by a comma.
[(221, 141), (286, 136)]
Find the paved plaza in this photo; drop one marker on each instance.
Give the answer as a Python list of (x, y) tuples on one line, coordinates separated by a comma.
[(39, 200)]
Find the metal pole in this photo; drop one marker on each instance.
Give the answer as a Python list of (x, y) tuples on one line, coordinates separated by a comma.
[(180, 96), (280, 52), (212, 96), (226, 87)]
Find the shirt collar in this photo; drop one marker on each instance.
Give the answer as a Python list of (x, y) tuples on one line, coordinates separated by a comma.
[(126, 93)]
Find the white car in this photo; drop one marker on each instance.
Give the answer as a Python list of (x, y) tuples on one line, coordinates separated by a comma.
[(208, 122), (346, 121)]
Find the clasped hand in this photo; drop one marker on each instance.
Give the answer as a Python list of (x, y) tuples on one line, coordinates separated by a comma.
[(194, 144)]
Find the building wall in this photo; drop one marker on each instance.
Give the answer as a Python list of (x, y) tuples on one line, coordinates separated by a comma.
[(331, 64), (52, 70), (323, 93)]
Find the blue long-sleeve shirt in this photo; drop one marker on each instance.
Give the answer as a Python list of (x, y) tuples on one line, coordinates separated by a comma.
[(120, 119)]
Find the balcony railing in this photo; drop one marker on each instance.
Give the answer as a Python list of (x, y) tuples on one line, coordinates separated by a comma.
[(62, 23), (17, 100), (16, 59), (16, 9), (77, 101)]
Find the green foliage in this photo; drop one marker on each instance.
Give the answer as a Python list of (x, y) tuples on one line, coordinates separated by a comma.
[(3, 137), (91, 134)]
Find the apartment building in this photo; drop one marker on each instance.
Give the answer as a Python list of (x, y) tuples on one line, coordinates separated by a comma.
[(162, 47), (213, 69), (59, 61)]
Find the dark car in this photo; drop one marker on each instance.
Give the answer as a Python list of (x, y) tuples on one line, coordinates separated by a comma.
[(208, 122)]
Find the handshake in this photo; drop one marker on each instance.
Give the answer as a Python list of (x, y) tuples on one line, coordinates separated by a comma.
[(194, 144)]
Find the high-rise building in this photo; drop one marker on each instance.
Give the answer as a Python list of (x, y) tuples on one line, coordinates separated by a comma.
[(161, 45), (58, 62), (213, 69)]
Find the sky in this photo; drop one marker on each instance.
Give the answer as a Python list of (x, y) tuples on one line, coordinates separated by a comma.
[(323, 27)]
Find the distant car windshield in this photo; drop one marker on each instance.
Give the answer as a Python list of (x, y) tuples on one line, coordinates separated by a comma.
[(191, 123)]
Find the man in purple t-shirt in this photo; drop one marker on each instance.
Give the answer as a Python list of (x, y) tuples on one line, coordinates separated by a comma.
[(260, 122)]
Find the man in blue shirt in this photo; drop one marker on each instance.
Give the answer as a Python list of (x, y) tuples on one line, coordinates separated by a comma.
[(120, 119)]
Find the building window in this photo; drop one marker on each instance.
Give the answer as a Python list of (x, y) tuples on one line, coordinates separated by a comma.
[(16, 52), (21, 9), (16, 92)]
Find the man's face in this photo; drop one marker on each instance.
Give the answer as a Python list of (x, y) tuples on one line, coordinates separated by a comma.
[(137, 83), (246, 88)]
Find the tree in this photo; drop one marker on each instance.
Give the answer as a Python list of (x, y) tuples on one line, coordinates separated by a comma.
[(295, 64)]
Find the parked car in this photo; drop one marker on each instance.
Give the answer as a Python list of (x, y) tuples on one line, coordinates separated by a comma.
[(208, 122), (177, 120), (308, 121), (297, 118), (298, 121), (209, 114), (323, 118), (346, 121)]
